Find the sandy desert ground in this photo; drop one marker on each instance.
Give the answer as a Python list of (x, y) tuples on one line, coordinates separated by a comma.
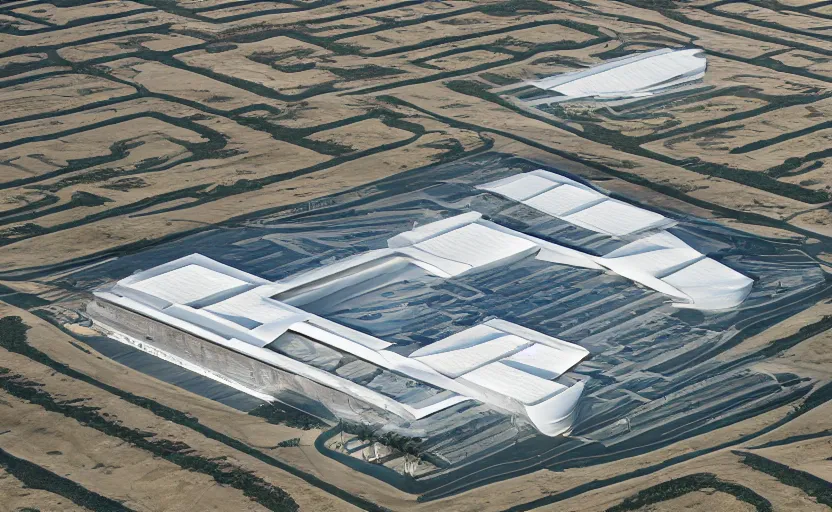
[(127, 123)]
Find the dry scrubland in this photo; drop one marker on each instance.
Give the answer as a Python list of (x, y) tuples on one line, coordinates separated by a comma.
[(124, 123)]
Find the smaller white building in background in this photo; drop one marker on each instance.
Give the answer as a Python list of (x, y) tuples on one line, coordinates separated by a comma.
[(642, 74)]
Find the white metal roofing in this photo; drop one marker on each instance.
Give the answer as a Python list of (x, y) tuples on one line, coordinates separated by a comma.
[(666, 263), (563, 200), (250, 309), (514, 383), (711, 285), (659, 260), (576, 203), (455, 362), (468, 247), (221, 304), (496, 340), (658, 255), (188, 284), (615, 218), (545, 361), (635, 75)]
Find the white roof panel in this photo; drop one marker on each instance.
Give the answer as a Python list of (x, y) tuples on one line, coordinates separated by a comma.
[(463, 339), (187, 284), (545, 361), (615, 218), (658, 255), (711, 285), (475, 245), (454, 363), (563, 200), (513, 383), (631, 75), (521, 188), (251, 309)]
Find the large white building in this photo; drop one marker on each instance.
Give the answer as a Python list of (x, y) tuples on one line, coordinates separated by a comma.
[(512, 368), (262, 337)]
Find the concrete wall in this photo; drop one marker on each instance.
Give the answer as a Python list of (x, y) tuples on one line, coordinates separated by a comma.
[(247, 372)]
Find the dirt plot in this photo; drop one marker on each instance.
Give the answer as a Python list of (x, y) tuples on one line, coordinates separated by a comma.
[(17, 496), (743, 27), (644, 122), (705, 500), (815, 175), (183, 84), (56, 93), (54, 15), (765, 142), (20, 24), (810, 61), (251, 62), (9, 64), (363, 135), (463, 25), (605, 14), (61, 38), (117, 46), (102, 463), (791, 20), (48, 156), (236, 10), (810, 456), (466, 60)]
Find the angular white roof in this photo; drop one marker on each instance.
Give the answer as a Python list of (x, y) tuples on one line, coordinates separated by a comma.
[(616, 218), (634, 75), (239, 311), (711, 285), (545, 361), (511, 382), (252, 309), (188, 284), (658, 255), (658, 260), (464, 247), (457, 362), (576, 203), (563, 200)]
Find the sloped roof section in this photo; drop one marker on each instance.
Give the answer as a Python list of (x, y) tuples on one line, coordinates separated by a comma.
[(654, 257), (577, 203)]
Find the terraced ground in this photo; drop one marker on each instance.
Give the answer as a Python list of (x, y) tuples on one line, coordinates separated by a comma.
[(125, 124)]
